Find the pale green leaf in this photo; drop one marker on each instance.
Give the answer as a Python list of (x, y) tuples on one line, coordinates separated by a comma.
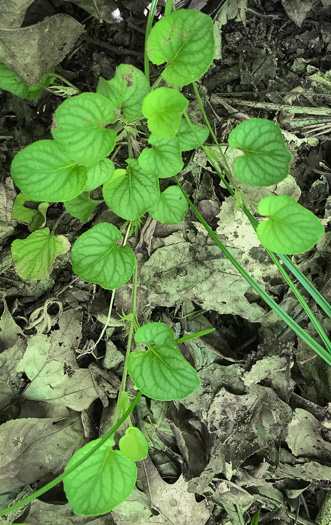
[(40, 219), (34, 256), (163, 108), (129, 194), (171, 206), (96, 258), (98, 173), (185, 40), (102, 482), (189, 139), (20, 212), (44, 172), (82, 206), (79, 124), (266, 160), (161, 372), (12, 83), (126, 90), (164, 159), (134, 444), (290, 228)]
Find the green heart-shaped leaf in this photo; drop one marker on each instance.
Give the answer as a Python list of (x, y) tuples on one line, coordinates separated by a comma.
[(126, 90), (290, 228), (102, 482), (82, 206), (34, 256), (164, 159), (80, 125), (96, 258), (162, 372), (129, 194), (266, 160), (44, 172), (171, 206), (189, 139), (185, 40), (134, 444), (12, 83), (99, 173), (163, 108)]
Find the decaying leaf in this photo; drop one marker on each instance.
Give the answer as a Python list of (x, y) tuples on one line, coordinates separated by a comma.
[(200, 273), (304, 437), (9, 330), (12, 12), (297, 10), (173, 502), (50, 364), (41, 46), (32, 448), (49, 514)]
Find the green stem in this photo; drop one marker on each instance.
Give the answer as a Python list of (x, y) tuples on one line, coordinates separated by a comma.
[(303, 303), (318, 297), (113, 293), (150, 20), (106, 324), (68, 471), (263, 294), (240, 515), (130, 337), (202, 109), (321, 301), (130, 150), (193, 336), (58, 220), (66, 81)]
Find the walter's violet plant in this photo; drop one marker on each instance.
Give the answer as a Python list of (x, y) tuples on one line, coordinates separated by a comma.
[(85, 131)]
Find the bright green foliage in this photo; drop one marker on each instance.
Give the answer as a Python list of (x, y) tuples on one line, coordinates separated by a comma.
[(161, 372), (34, 256), (163, 108), (97, 259), (290, 228), (102, 482), (82, 206), (99, 173), (171, 206), (44, 172), (130, 193), (134, 444), (35, 217), (10, 82), (266, 160), (126, 90), (20, 212), (188, 139), (185, 40), (164, 159), (80, 123), (256, 517)]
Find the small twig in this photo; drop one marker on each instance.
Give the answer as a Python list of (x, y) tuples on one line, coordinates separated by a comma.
[(113, 49), (136, 28), (215, 99), (58, 220)]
